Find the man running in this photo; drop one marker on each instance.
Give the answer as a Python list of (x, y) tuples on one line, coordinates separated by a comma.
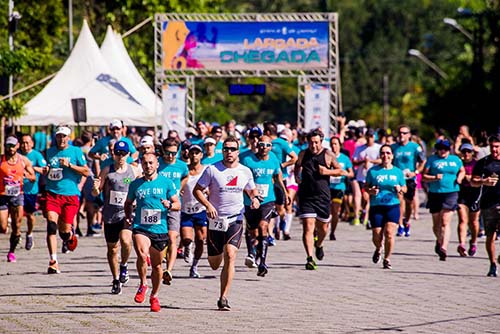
[(155, 196), (13, 168), (226, 181)]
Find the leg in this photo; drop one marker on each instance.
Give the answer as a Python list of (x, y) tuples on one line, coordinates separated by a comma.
[(447, 215), (112, 255), (141, 246), (308, 235), (156, 270), (172, 249), (389, 229), (227, 274)]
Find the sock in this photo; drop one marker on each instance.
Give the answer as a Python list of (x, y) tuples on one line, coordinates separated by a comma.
[(288, 220), (14, 240), (53, 257)]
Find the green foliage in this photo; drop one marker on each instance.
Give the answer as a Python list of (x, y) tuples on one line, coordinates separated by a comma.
[(11, 109)]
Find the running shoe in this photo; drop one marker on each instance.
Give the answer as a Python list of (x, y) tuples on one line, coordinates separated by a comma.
[(123, 274), (401, 230), (376, 256), (493, 270), (311, 265), (262, 271), (286, 236), (407, 229), (29, 242), (116, 289), (140, 295), (472, 249), (437, 247), (53, 267), (223, 304), (64, 248), (155, 304), (387, 264), (461, 250), (320, 254), (250, 261), (92, 233), (72, 242), (355, 222), (271, 241), (167, 277), (180, 253), (188, 253), (442, 254), (11, 257), (193, 272), (332, 236)]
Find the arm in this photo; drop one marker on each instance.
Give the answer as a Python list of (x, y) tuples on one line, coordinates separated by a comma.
[(128, 207), (298, 168), (173, 204), (253, 194), (291, 161), (198, 194), (99, 182), (278, 178), (29, 172)]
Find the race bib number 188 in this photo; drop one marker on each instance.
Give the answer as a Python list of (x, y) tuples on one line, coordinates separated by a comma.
[(150, 216)]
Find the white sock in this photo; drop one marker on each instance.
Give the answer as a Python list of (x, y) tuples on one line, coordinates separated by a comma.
[(53, 257), (288, 220)]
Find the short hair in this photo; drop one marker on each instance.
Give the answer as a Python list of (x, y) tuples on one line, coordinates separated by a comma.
[(314, 133), (495, 138), (170, 142), (232, 139)]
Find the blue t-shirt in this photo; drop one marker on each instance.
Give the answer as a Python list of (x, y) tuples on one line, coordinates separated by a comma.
[(385, 180), (174, 172), (407, 156), (263, 172), (150, 214), (339, 182), (64, 180), (449, 167), (37, 160)]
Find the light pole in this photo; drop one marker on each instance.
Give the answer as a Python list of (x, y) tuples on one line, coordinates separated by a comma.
[(456, 25), (422, 57)]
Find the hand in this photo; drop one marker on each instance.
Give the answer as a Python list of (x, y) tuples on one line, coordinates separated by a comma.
[(97, 183), (211, 212)]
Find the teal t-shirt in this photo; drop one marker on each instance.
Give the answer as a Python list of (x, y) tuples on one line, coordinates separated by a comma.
[(63, 180), (449, 167), (407, 156), (281, 148), (339, 182), (175, 172), (101, 146), (263, 172), (150, 214), (37, 160), (385, 180)]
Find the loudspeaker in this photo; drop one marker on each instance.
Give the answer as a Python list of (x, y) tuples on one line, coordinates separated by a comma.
[(4, 85), (79, 110)]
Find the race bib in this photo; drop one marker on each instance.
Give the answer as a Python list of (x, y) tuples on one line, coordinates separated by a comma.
[(55, 174), (263, 190), (193, 207), (335, 179), (220, 224), (13, 190), (150, 216), (117, 198)]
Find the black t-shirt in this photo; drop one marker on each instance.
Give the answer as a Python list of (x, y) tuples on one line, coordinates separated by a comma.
[(485, 168)]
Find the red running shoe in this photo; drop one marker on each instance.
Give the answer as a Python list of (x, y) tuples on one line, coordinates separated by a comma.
[(72, 242), (140, 295), (155, 304)]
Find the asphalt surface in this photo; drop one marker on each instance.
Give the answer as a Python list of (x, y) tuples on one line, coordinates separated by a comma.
[(346, 294)]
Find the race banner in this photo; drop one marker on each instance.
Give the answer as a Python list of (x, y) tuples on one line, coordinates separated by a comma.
[(317, 108), (245, 45), (174, 109)]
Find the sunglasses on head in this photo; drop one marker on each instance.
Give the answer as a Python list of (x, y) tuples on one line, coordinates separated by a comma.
[(229, 149), (264, 144)]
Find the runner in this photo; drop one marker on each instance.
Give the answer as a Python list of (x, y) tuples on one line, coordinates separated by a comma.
[(113, 183), (226, 181), (155, 196), (13, 168), (66, 166)]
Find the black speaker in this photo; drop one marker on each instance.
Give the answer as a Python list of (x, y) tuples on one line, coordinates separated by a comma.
[(79, 110), (4, 85)]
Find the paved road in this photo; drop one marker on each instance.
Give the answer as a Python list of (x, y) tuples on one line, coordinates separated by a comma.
[(347, 294)]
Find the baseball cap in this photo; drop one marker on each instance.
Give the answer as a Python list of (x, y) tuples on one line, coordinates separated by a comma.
[(186, 144), (11, 141), (209, 140), (63, 130), (467, 146), (192, 131), (255, 132), (442, 143), (147, 141), (370, 132), (121, 146), (195, 147), (116, 123)]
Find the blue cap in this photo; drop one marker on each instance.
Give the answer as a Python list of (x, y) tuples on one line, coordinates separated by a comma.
[(255, 132), (443, 143), (467, 146), (121, 146)]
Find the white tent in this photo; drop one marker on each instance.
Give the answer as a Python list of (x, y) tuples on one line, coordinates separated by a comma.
[(86, 74), (118, 59)]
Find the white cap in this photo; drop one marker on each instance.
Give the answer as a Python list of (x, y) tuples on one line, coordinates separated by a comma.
[(11, 141), (361, 123), (209, 140), (352, 123), (63, 130), (147, 141), (116, 123)]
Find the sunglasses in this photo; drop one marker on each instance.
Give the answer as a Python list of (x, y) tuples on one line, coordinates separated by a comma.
[(403, 132), (170, 153), (120, 153), (194, 152), (466, 151), (116, 129), (263, 144), (229, 149)]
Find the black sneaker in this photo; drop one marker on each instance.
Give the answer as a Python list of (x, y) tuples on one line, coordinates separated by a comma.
[(92, 233), (376, 256), (123, 274), (320, 254), (64, 248), (311, 265), (223, 304), (262, 271), (442, 254), (29, 242), (116, 289), (387, 264), (493, 270)]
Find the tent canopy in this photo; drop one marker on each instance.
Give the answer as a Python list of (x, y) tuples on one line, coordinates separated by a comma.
[(86, 74)]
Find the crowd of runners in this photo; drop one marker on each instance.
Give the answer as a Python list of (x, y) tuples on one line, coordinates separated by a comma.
[(220, 185)]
